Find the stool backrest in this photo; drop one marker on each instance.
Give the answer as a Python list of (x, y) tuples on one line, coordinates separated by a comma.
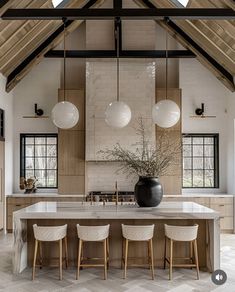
[(138, 232), (181, 233), (93, 233), (49, 233)]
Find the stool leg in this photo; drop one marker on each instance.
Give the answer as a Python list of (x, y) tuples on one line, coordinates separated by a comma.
[(196, 257), (165, 253), (123, 252), (171, 259), (79, 258), (61, 254), (191, 252), (105, 259), (151, 255), (34, 258), (107, 252), (40, 253), (126, 257), (66, 252)]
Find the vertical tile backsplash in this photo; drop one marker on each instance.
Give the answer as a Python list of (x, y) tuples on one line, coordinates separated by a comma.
[(137, 89)]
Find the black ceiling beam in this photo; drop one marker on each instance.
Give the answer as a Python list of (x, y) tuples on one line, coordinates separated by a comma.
[(117, 4), (153, 54), (3, 2), (208, 57), (177, 30), (42, 46), (128, 13)]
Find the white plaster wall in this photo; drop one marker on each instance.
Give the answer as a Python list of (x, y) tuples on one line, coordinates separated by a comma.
[(39, 86), (199, 85), (6, 103)]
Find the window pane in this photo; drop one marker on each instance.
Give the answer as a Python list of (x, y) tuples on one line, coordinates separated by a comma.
[(51, 163), (29, 163), (209, 150), (209, 178), (51, 140), (187, 163), (40, 163), (198, 178), (40, 140), (39, 159), (29, 140), (197, 150), (197, 163), (187, 150), (209, 163), (51, 150), (29, 150), (40, 150), (197, 140), (209, 140), (187, 179), (51, 178), (29, 173), (41, 176), (187, 140)]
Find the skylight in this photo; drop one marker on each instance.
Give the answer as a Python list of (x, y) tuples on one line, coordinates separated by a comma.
[(184, 2), (56, 2)]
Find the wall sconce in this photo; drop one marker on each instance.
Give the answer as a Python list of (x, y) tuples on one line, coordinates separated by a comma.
[(38, 113)]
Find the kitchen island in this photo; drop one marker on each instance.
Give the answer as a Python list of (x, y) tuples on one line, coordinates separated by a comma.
[(72, 213)]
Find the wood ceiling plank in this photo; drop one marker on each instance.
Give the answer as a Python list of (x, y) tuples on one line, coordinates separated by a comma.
[(182, 40), (27, 43), (17, 4), (9, 64), (6, 6), (207, 44), (14, 81), (8, 42), (219, 37)]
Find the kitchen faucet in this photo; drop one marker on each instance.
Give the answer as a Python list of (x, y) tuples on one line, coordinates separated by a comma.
[(116, 192)]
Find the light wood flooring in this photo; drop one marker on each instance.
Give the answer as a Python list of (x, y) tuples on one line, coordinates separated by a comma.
[(138, 279)]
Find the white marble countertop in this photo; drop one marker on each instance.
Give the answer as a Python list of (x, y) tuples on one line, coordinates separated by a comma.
[(190, 195), (49, 195), (78, 210)]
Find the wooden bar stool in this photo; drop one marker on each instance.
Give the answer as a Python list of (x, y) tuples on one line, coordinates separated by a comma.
[(138, 233), (93, 233), (183, 234), (50, 234)]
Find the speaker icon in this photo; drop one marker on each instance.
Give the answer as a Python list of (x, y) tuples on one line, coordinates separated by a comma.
[(219, 277)]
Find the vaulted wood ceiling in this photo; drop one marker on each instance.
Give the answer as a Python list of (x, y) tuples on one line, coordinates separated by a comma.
[(23, 44)]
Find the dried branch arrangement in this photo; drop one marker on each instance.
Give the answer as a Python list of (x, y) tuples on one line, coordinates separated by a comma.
[(147, 160)]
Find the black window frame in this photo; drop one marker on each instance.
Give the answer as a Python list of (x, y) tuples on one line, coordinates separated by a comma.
[(23, 156), (2, 125), (215, 136)]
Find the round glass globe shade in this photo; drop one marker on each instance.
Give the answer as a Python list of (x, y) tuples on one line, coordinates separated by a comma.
[(166, 113), (117, 114), (65, 115)]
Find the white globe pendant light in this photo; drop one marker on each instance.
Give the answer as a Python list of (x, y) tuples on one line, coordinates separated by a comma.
[(166, 113), (65, 114), (118, 113)]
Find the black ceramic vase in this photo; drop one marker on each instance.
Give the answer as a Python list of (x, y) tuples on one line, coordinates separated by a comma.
[(148, 192)]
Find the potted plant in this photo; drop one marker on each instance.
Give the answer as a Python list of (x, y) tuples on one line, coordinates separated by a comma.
[(148, 161)]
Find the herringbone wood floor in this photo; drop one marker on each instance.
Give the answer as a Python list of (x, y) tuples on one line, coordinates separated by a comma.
[(138, 279)]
